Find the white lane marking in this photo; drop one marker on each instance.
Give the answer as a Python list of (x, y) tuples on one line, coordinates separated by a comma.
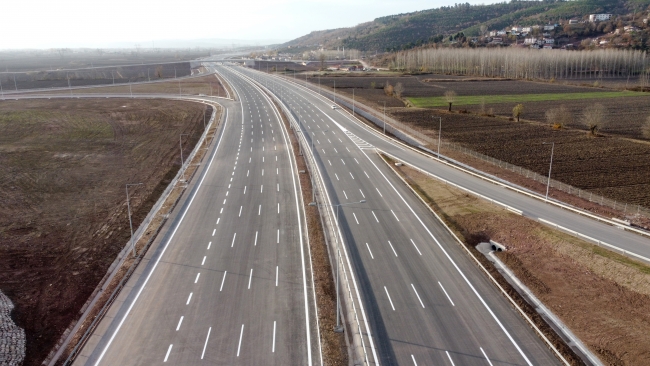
[(206, 342), (278, 207), (259, 210), (223, 280), (345, 194), (363, 195), (244, 189), (197, 277), (250, 279), (450, 360), (227, 193), (273, 348), (203, 261), (221, 211), (418, 295), (416, 247), (278, 240), (262, 159), (336, 151), (188, 299), (443, 290), (278, 187), (368, 246), (276, 158), (328, 160), (486, 357), (233, 240), (391, 247), (318, 141), (355, 217), (396, 218), (249, 159), (248, 172), (337, 177), (414, 362), (224, 201), (276, 275), (262, 188), (373, 214), (218, 219), (209, 245), (346, 148), (262, 172), (329, 140), (379, 192), (355, 159), (343, 161), (391, 301), (241, 335), (255, 239), (167, 355), (277, 171), (214, 231), (342, 142), (229, 186), (179, 323), (364, 172), (241, 207)]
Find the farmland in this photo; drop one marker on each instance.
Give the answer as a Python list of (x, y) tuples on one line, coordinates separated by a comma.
[(63, 169)]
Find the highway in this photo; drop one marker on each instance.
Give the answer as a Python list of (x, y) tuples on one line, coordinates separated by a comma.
[(424, 300), (229, 280)]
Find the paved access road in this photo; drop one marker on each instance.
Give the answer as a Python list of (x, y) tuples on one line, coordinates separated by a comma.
[(229, 281), (424, 300)]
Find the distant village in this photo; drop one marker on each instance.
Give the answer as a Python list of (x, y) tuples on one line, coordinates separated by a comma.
[(548, 36)]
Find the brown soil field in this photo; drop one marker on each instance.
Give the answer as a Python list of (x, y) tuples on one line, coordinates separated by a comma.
[(625, 116), (611, 166), (63, 169), (606, 302), (198, 85)]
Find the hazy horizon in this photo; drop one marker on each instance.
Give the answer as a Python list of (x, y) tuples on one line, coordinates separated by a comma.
[(123, 24)]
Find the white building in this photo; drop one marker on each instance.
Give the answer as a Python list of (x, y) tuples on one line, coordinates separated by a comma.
[(549, 27), (531, 40), (549, 41), (527, 29), (599, 17)]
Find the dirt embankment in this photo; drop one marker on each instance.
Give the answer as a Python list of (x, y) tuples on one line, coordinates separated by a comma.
[(63, 170), (603, 297)]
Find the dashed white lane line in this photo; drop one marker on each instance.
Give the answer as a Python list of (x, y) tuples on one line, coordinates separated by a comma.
[(391, 247), (345, 194), (373, 214), (355, 159), (259, 210), (223, 280), (323, 151), (450, 360), (262, 172), (255, 239), (278, 189), (233, 240), (276, 275), (278, 239), (414, 362), (241, 207), (227, 193), (197, 277), (486, 357), (224, 201), (416, 247), (370, 251), (203, 261), (343, 161), (418, 295), (244, 189), (262, 188), (389, 299), (221, 211), (337, 177), (209, 245), (188, 299), (364, 172), (248, 172), (241, 335), (218, 219), (250, 279), (396, 218), (273, 347), (355, 217), (328, 160), (214, 231), (351, 175), (168, 350), (363, 195), (277, 171), (346, 148), (278, 208), (206, 342), (336, 151), (179, 323), (379, 192), (443, 290)]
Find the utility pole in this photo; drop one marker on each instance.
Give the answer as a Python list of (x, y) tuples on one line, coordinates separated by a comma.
[(439, 134), (128, 205)]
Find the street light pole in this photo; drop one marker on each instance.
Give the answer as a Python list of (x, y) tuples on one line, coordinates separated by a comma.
[(352, 102), (180, 140), (548, 183), (128, 206), (439, 134), (384, 118)]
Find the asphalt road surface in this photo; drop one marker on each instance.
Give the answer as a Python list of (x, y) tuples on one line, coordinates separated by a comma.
[(426, 302), (230, 280)]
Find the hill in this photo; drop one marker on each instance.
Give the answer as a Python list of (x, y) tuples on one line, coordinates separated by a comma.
[(404, 31)]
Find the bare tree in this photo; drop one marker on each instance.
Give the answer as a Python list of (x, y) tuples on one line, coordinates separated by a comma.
[(321, 58), (645, 130), (517, 111), (594, 118), (558, 118), (450, 97), (399, 89), (388, 89)]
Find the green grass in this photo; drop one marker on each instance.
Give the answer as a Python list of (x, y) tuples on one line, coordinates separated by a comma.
[(430, 102)]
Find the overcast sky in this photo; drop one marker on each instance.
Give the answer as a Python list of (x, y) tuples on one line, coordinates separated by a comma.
[(102, 23)]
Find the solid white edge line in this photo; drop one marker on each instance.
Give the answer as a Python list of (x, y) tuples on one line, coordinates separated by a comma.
[(206, 342), (110, 341)]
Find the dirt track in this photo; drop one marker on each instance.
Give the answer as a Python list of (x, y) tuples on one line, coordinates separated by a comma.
[(63, 167)]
